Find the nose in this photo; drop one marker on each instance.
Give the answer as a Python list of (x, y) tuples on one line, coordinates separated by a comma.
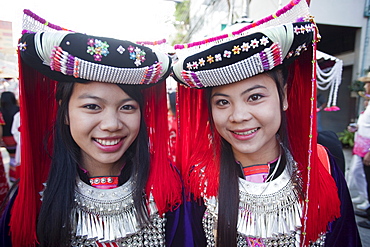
[(240, 113), (111, 121)]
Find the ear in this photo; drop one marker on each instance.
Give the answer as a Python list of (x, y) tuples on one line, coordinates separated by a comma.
[(285, 101)]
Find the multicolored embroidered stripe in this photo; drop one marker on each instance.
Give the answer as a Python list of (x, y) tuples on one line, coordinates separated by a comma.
[(62, 61), (191, 79), (271, 57), (152, 74)]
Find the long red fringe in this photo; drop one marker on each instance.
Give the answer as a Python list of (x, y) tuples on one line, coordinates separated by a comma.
[(323, 204), (164, 181), (36, 96), (196, 152)]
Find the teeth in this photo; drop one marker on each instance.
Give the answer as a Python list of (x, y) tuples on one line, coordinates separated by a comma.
[(106, 142), (246, 132)]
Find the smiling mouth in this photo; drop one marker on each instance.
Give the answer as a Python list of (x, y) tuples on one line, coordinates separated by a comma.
[(244, 133), (107, 142)]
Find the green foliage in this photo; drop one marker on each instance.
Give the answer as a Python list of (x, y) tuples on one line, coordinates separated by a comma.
[(182, 17), (347, 138), (182, 12)]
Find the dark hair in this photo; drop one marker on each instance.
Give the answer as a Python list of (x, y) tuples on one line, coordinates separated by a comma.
[(172, 100), (54, 222), (228, 192)]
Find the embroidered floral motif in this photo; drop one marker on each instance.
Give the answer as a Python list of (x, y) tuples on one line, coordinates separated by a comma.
[(210, 59), (97, 48), (245, 46), (299, 49), (188, 65), (201, 62), (136, 54), (120, 49), (195, 65), (309, 28), (264, 40), (227, 53), (131, 49), (90, 42), (290, 54), (218, 57), (236, 49), (90, 50), (254, 43), (22, 46), (302, 29)]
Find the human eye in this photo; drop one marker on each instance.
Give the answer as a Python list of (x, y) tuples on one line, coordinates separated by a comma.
[(221, 102), (130, 106), (254, 97), (91, 107)]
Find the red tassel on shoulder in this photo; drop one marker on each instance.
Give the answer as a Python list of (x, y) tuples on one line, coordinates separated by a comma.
[(164, 181), (37, 94), (321, 199)]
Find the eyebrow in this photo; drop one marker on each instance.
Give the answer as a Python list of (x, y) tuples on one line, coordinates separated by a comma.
[(242, 93), (89, 96)]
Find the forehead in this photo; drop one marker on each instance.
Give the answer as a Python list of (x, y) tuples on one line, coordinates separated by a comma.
[(258, 81), (98, 88)]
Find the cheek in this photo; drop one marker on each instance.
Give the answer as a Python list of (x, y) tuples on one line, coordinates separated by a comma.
[(219, 119), (133, 122)]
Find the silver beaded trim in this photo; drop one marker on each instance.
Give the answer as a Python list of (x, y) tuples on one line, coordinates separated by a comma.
[(152, 235), (268, 212), (98, 72), (110, 216)]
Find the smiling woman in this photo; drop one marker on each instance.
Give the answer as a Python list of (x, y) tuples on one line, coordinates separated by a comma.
[(108, 180), (247, 132), (104, 122), (244, 115)]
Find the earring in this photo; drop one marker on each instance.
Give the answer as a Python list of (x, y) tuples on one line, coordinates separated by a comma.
[(284, 107)]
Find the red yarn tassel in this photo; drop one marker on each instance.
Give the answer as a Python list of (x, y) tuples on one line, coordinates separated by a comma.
[(197, 154), (323, 204), (36, 96), (164, 181)]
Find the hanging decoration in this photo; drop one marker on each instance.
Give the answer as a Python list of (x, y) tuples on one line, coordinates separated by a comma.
[(329, 77)]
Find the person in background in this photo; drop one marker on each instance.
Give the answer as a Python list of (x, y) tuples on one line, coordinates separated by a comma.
[(356, 175), (362, 149), (16, 134), (9, 108), (172, 124), (251, 158), (4, 185)]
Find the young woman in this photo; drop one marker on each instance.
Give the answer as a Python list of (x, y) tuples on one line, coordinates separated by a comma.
[(253, 161), (108, 179)]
